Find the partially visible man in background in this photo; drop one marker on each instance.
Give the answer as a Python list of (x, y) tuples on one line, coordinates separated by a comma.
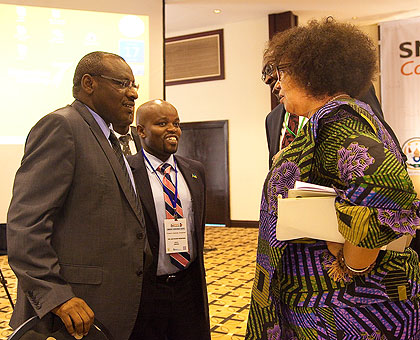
[(128, 137), (281, 127)]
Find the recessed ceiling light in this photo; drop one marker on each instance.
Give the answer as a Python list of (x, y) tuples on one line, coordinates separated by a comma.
[(217, 11), (354, 18)]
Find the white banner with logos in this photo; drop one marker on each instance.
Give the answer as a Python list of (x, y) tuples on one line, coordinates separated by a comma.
[(400, 85)]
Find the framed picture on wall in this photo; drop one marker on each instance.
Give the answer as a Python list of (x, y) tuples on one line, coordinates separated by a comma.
[(194, 58)]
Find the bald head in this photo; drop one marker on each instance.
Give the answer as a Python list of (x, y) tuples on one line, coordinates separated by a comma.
[(151, 108), (159, 128)]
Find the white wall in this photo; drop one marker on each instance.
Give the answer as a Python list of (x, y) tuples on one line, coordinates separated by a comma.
[(244, 100)]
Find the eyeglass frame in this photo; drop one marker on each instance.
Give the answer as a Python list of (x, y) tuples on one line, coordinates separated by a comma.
[(124, 83), (281, 70), (267, 71)]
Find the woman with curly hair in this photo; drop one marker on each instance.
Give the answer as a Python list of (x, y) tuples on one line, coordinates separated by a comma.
[(313, 289)]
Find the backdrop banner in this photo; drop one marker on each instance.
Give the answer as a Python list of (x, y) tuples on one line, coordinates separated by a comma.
[(400, 84)]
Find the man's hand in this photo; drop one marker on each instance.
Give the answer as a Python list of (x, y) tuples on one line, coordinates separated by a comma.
[(76, 316)]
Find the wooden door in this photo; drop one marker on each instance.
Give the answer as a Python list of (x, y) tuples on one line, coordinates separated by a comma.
[(207, 142)]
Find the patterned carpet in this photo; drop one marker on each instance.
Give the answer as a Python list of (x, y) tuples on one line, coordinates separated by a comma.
[(230, 265)]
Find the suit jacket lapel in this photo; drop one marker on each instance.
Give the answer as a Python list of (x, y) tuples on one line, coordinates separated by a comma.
[(278, 126), (142, 179), (194, 185), (110, 154), (136, 138)]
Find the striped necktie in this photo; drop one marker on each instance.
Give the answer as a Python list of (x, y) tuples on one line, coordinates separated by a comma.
[(179, 260), (292, 125)]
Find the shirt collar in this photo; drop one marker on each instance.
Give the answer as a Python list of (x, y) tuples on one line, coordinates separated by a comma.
[(155, 162), (127, 134), (104, 127)]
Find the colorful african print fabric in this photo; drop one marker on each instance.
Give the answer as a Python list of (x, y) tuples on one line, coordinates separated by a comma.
[(345, 147)]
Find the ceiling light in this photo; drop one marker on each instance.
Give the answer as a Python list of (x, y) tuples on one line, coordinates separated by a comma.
[(217, 11), (354, 18)]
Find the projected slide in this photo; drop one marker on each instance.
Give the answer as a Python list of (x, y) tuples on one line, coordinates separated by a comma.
[(40, 50)]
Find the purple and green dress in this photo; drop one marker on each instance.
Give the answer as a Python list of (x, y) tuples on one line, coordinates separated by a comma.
[(346, 147)]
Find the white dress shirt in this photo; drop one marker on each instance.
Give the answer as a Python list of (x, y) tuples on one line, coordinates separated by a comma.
[(164, 263)]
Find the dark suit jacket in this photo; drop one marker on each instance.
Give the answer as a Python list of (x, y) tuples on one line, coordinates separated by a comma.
[(72, 224), (274, 122), (194, 175), (136, 137)]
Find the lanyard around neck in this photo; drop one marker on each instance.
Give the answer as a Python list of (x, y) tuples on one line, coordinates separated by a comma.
[(173, 201), (286, 119)]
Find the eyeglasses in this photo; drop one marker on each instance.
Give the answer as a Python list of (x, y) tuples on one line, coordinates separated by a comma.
[(123, 83), (281, 70), (268, 71)]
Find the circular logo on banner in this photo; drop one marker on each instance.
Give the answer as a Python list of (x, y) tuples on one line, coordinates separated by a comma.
[(411, 149)]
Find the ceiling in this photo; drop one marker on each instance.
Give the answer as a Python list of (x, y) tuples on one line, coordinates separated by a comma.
[(184, 15)]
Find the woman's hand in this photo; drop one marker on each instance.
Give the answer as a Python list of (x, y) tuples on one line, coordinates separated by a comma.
[(357, 257), (334, 247)]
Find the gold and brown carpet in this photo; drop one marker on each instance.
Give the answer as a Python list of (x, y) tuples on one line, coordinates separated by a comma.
[(230, 264)]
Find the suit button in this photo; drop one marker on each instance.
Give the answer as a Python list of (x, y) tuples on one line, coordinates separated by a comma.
[(140, 235), (139, 272)]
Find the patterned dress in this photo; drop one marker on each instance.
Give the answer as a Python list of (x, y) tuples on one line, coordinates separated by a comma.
[(345, 147)]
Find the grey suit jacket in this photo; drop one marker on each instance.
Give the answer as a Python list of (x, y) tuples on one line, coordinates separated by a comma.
[(194, 175), (73, 228)]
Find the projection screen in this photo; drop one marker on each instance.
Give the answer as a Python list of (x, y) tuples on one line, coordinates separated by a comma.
[(40, 49)]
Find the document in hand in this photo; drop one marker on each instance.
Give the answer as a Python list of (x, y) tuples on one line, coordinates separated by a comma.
[(308, 212)]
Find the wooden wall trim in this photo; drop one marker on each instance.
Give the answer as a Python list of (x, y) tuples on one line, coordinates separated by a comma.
[(243, 224)]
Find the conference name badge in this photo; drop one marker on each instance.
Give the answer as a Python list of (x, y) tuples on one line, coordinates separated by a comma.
[(176, 237)]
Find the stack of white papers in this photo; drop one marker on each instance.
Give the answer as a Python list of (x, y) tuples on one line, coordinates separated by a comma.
[(303, 189), (309, 212)]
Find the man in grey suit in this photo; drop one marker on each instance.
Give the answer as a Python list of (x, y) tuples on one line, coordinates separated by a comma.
[(174, 298), (75, 227)]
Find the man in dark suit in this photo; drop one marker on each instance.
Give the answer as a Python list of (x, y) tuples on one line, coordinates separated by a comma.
[(128, 138), (274, 122), (174, 298), (75, 228)]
